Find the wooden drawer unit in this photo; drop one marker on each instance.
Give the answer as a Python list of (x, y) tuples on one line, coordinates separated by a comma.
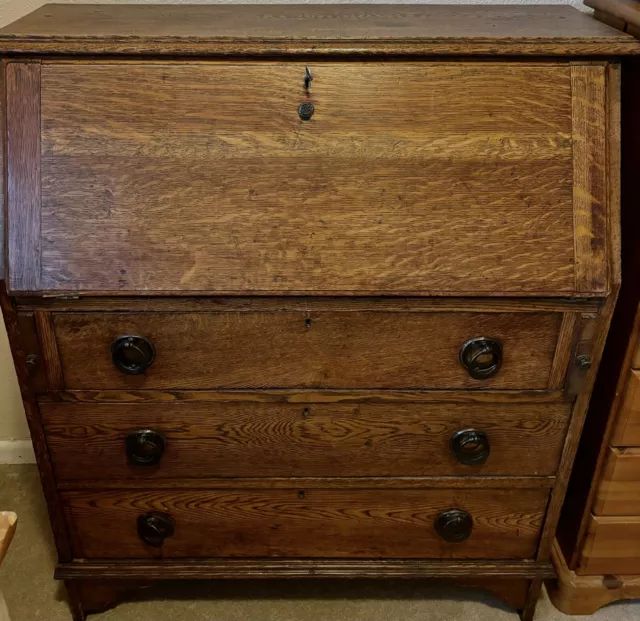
[(347, 523), (597, 555), (612, 542), (627, 428), (243, 439), (307, 350), (306, 291), (619, 490)]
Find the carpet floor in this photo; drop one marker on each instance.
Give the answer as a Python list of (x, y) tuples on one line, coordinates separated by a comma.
[(33, 595)]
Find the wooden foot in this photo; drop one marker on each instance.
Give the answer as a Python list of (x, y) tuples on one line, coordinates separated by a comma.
[(514, 592), (584, 595), (529, 609), (91, 596)]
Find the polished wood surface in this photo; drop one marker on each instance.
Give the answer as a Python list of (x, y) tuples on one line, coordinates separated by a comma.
[(302, 568), (228, 439), (627, 429), (22, 174), (186, 187), (494, 30), (575, 594), (308, 285), (612, 546), (306, 350), (619, 490), (278, 523)]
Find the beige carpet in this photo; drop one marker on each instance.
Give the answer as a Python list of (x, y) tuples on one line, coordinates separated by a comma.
[(33, 595)]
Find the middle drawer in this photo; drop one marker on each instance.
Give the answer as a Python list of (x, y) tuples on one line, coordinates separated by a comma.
[(298, 349), (246, 439)]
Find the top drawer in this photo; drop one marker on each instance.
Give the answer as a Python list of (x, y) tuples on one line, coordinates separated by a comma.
[(418, 178)]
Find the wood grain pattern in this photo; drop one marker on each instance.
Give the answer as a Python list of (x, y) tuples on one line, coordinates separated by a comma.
[(150, 304), (277, 523), (591, 339), (625, 327), (49, 350), (37, 376), (612, 546), (588, 96), (312, 29), (446, 186), (619, 487), (344, 483), (308, 396), (306, 350), (54, 506), (229, 439), (22, 174), (564, 350), (575, 594), (301, 568), (627, 428)]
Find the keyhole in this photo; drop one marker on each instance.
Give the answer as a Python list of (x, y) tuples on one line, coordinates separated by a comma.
[(307, 322)]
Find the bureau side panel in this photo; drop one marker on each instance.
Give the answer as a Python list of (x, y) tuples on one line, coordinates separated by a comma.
[(22, 174)]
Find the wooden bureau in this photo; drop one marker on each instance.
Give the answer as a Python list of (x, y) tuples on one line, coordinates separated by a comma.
[(310, 291)]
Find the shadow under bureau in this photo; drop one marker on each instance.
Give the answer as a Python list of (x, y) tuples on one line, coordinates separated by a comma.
[(308, 291)]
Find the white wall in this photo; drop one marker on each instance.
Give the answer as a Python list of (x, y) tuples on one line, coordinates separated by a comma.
[(12, 424)]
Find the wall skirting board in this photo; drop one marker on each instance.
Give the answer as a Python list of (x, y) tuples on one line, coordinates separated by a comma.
[(16, 452)]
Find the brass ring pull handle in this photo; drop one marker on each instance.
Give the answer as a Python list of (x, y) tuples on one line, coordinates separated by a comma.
[(481, 357), (154, 527), (454, 525), (132, 355), (145, 447), (470, 446)]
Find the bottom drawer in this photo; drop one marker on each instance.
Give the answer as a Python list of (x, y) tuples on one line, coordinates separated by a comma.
[(312, 523), (619, 490), (612, 546)]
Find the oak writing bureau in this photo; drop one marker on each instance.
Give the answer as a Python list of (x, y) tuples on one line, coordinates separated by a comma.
[(308, 291)]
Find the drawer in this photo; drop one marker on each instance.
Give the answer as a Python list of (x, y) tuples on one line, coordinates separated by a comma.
[(612, 546), (305, 350), (104, 441), (309, 523), (627, 429), (619, 490), (425, 178)]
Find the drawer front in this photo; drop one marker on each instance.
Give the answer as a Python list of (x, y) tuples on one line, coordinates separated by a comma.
[(612, 546), (346, 523), (627, 429), (306, 350), (619, 490), (426, 178), (314, 439)]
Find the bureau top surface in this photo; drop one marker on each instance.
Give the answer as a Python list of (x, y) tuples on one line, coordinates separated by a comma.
[(282, 29)]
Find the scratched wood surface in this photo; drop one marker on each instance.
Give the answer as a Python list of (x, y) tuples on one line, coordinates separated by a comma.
[(411, 177), (250, 439), (316, 29), (394, 523), (306, 350)]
